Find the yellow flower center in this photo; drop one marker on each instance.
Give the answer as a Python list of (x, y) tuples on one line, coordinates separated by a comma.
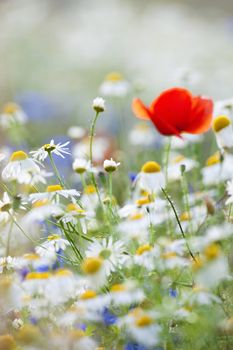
[(89, 189), (63, 273), (136, 216), (220, 123), (143, 201), (31, 256), (53, 237), (178, 159), (92, 265), (185, 216), (212, 251), (38, 275), (197, 264), (10, 108), (88, 294), (214, 159), (168, 255), (114, 76), (118, 288), (73, 207), (48, 147), (54, 188), (18, 155), (143, 248), (40, 203), (144, 321), (151, 167)]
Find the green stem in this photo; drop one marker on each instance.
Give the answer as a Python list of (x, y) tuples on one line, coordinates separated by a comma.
[(9, 238), (178, 221), (55, 169), (92, 134)]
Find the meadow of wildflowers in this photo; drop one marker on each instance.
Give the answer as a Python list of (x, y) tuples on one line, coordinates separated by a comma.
[(116, 228)]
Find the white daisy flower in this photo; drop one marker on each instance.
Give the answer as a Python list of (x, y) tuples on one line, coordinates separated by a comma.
[(114, 85), (59, 149), (216, 170), (53, 192), (142, 135), (12, 114), (222, 127), (6, 210), (110, 165), (229, 192), (174, 168), (98, 104), (81, 165), (111, 252), (20, 168), (150, 178), (76, 132), (141, 326)]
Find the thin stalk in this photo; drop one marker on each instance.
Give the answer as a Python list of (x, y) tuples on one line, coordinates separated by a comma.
[(9, 238), (55, 169), (178, 221), (92, 134)]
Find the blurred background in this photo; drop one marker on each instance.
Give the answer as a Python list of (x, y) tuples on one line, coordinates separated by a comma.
[(55, 54)]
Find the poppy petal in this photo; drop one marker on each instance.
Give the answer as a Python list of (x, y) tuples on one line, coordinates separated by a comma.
[(200, 116), (140, 110), (172, 108)]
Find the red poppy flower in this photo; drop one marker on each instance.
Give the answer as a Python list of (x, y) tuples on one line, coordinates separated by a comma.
[(176, 111)]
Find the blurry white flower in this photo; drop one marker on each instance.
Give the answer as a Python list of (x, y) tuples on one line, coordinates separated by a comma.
[(111, 252), (53, 192), (76, 132), (17, 323), (20, 168), (114, 85), (216, 170), (98, 104), (12, 114), (174, 168), (222, 127), (230, 192), (81, 165), (150, 178)]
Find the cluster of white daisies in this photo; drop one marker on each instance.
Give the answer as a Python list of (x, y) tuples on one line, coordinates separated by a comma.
[(81, 271)]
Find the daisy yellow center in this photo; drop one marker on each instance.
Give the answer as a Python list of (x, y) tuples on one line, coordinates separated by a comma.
[(185, 216), (40, 203), (114, 76), (48, 147), (10, 108), (18, 155), (31, 256), (143, 248), (212, 251), (143, 201), (38, 275), (144, 321), (136, 216), (88, 294), (73, 207), (63, 273), (53, 237), (92, 265), (169, 255), (197, 264), (197, 289), (151, 167), (54, 188), (89, 189), (220, 123), (118, 288), (178, 159), (214, 159)]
